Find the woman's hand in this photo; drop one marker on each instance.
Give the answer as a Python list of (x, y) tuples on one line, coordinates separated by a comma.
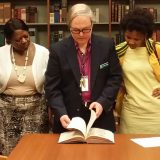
[(97, 107), (156, 93), (65, 120)]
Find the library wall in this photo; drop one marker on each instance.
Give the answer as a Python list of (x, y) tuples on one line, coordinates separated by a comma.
[(49, 24), (33, 12), (58, 13)]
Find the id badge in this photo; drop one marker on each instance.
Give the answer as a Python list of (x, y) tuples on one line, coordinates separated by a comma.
[(84, 83)]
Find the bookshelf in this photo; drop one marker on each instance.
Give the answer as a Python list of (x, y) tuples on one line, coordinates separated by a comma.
[(100, 8), (37, 24), (153, 6), (105, 26)]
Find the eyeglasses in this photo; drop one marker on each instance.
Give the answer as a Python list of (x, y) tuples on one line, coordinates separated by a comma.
[(78, 31)]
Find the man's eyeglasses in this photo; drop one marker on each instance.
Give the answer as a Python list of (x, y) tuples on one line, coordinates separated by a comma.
[(78, 31)]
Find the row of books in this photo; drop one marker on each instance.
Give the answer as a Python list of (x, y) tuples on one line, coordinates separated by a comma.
[(119, 37), (118, 10), (2, 39), (59, 15), (5, 12), (153, 11), (57, 36), (58, 11), (28, 14), (156, 35)]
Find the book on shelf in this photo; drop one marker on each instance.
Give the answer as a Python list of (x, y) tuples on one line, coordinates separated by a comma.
[(31, 14), (64, 15), (96, 15), (23, 14), (51, 17), (79, 132), (32, 33), (156, 35), (19, 13), (57, 12), (119, 37), (57, 36), (64, 11), (131, 4), (153, 11), (7, 12), (60, 35), (1, 13), (2, 39), (64, 3), (118, 10)]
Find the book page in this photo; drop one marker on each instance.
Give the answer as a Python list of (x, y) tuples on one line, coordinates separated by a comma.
[(71, 137), (98, 135), (91, 121), (77, 123)]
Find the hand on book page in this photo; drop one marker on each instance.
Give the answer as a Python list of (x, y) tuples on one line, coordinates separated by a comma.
[(78, 123), (80, 132)]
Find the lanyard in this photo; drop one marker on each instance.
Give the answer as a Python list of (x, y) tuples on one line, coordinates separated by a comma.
[(83, 58)]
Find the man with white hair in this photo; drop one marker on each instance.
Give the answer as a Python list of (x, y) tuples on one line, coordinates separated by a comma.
[(83, 73)]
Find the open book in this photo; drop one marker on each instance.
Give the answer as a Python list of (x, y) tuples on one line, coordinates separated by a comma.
[(79, 132)]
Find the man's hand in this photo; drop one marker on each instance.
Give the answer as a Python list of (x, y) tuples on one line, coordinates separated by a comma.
[(97, 107), (65, 120)]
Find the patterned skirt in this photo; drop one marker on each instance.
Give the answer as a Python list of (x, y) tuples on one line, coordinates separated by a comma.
[(20, 115)]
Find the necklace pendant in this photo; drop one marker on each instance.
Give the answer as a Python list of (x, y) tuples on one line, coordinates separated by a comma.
[(21, 78)]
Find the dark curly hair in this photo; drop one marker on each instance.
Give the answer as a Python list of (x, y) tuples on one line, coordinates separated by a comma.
[(140, 20)]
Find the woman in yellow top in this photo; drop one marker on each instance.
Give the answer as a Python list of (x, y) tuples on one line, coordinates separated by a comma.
[(141, 74)]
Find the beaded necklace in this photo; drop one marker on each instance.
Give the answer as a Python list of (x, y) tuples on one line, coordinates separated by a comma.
[(21, 76)]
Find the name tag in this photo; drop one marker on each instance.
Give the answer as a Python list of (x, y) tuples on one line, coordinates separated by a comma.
[(84, 83)]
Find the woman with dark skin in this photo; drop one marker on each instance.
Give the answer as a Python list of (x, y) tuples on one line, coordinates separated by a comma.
[(141, 75), (22, 68)]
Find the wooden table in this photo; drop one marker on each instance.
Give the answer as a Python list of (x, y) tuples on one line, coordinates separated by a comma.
[(45, 147)]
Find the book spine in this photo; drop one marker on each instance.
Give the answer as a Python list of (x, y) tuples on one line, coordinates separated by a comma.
[(51, 15), (2, 39), (23, 14), (60, 35), (64, 3), (158, 35), (112, 11), (57, 12), (7, 12), (32, 33), (16, 13), (119, 12), (1, 12), (64, 15), (31, 14), (97, 15), (116, 12)]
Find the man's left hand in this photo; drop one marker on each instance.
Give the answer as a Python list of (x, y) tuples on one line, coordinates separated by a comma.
[(97, 107)]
